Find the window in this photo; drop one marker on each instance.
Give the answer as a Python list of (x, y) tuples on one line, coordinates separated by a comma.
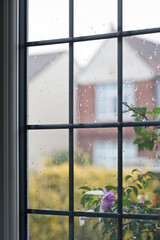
[(58, 153), (105, 154), (106, 100)]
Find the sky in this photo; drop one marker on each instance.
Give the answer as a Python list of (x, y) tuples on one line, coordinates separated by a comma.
[(48, 19)]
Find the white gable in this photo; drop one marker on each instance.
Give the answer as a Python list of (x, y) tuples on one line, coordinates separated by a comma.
[(103, 66)]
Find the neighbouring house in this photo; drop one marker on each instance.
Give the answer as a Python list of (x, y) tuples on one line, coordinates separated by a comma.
[(95, 100)]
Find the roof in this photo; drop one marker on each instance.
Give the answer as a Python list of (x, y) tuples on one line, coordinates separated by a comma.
[(148, 50), (38, 62), (141, 60)]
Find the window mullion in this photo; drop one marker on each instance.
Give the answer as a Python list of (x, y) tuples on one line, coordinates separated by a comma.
[(71, 119), (120, 118)]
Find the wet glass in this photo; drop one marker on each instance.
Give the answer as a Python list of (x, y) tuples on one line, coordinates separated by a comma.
[(96, 82), (47, 19), (94, 17), (47, 84), (95, 162), (141, 170), (140, 14), (141, 229), (141, 81), (48, 227), (48, 169), (94, 228)]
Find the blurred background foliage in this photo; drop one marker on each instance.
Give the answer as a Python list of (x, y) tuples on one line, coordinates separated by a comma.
[(49, 189)]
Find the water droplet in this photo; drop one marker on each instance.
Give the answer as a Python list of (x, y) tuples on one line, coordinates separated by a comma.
[(150, 57)]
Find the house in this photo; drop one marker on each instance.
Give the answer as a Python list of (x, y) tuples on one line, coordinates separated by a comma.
[(95, 100), (48, 90)]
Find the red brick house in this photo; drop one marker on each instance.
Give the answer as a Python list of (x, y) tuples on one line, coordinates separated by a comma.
[(97, 99)]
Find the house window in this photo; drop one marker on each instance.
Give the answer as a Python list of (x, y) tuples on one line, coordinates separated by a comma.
[(59, 157), (105, 154), (106, 100)]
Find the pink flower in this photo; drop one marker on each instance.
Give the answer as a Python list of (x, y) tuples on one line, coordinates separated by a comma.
[(82, 219), (107, 200), (157, 148), (141, 198)]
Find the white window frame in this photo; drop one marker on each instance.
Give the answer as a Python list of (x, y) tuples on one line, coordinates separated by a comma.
[(9, 175)]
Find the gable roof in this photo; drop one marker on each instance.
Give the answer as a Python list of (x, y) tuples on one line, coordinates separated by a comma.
[(148, 50), (137, 61), (38, 62)]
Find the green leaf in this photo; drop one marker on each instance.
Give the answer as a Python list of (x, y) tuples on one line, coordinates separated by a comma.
[(132, 225), (128, 191), (145, 183), (110, 187), (138, 130), (126, 196), (147, 202), (126, 203), (83, 200), (95, 225), (157, 192), (85, 188), (135, 190), (127, 177), (152, 173), (113, 236), (148, 112), (135, 170), (156, 110), (139, 186)]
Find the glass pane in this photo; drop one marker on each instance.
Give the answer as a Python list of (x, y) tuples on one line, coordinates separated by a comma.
[(94, 17), (95, 169), (95, 228), (96, 83), (141, 153), (48, 84), (47, 19), (48, 169), (141, 229), (141, 81), (140, 14), (43, 227)]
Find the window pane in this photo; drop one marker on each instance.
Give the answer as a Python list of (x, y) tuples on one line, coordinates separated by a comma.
[(48, 169), (141, 170), (48, 84), (48, 227), (140, 14), (47, 19), (141, 229), (94, 17), (96, 82), (95, 164), (95, 228), (141, 82)]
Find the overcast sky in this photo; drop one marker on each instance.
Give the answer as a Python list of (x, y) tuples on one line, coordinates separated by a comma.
[(49, 19)]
